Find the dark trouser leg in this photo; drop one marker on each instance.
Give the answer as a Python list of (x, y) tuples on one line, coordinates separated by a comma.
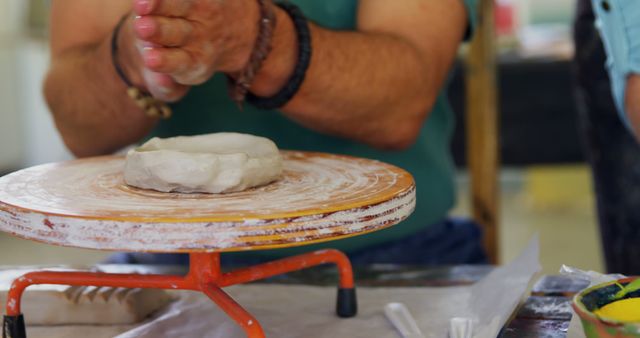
[(612, 152)]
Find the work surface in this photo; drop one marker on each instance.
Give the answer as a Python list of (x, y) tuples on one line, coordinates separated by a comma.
[(546, 313)]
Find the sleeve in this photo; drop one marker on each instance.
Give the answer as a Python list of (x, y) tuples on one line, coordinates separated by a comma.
[(472, 17), (619, 24)]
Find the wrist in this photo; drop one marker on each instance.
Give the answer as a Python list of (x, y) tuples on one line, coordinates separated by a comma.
[(129, 55), (281, 61), (241, 40)]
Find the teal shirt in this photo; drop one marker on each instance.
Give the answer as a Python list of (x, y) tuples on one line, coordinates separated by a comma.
[(208, 109)]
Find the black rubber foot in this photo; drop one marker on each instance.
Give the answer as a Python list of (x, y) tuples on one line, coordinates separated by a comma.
[(13, 327), (347, 305)]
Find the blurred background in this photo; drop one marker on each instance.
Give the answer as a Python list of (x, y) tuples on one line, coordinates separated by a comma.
[(545, 183)]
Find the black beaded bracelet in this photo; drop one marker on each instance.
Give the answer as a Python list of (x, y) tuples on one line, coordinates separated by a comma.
[(304, 60)]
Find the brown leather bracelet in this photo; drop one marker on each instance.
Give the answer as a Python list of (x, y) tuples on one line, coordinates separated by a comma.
[(239, 87), (151, 106)]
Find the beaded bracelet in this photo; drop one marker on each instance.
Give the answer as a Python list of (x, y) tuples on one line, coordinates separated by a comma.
[(151, 106), (239, 87), (292, 87)]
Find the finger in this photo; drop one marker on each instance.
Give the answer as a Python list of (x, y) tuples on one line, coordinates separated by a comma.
[(166, 60), (177, 63), (195, 75), (171, 8), (163, 87), (169, 32)]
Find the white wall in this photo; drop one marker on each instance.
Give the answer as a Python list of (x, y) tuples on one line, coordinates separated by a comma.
[(11, 145), (27, 133), (542, 11), (42, 143), (11, 142)]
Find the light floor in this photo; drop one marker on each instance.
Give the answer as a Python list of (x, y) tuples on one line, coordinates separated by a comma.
[(553, 202)]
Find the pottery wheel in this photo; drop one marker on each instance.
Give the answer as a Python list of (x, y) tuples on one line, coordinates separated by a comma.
[(85, 203)]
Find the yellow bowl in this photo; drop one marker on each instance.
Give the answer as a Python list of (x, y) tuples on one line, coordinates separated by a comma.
[(596, 322)]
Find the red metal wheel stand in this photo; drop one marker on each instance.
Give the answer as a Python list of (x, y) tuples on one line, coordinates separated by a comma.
[(204, 276)]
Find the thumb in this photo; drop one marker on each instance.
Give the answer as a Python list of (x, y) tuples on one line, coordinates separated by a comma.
[(163, 87)]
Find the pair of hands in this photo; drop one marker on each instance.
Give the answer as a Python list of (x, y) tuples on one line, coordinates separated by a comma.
[(174, 44)]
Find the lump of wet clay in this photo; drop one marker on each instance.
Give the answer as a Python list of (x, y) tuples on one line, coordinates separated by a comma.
[(212, 163)]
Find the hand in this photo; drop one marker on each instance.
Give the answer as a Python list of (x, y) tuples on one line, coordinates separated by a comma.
[(632, 103), (160, 85), (193, 39)]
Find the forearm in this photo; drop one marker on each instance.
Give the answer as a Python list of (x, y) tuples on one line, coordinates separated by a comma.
[(89, 102), (375, 85), (632, 103), (373, 88)]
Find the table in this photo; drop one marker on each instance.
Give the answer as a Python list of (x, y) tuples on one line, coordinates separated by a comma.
[(546, 313)]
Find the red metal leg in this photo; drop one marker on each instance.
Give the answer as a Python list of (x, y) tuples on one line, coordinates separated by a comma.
[(14, 325), (92, 279), (203, 268), (248, 323), (290, 264), (346, 303), (204, 275)]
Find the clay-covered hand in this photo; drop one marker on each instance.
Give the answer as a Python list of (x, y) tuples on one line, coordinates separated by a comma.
[(130, 57), (190, 40)]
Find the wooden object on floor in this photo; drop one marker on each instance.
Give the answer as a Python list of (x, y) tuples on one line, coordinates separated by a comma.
[(482, 128)]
